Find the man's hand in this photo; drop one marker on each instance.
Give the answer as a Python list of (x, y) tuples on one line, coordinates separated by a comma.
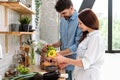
[(65, 52), (45, 48)]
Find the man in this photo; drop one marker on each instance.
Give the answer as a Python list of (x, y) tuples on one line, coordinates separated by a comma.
[(69, 32)]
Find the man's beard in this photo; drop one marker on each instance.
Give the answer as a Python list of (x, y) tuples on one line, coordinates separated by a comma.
[(67, 17)]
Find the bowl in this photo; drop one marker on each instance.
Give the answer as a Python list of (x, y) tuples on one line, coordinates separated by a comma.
[(51, 68)]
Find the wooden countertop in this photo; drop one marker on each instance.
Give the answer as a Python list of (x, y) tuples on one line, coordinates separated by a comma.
[(35, 68)]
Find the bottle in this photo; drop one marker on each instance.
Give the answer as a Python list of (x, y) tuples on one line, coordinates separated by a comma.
[(16, 58), (27, 57), (22, 55)]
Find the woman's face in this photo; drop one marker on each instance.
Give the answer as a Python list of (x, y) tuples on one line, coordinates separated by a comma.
[(82, 26)]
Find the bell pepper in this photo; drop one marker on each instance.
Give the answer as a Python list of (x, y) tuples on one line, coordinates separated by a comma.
[(51, 53)]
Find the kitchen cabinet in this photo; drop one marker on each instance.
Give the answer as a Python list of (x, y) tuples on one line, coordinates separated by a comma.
[(20, 8)]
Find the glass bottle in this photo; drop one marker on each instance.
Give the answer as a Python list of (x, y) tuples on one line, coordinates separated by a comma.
[(32, 56), (27, 57)]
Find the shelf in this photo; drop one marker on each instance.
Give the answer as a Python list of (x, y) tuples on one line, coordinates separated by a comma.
[(14, 33), (20, 8), (17, 6)]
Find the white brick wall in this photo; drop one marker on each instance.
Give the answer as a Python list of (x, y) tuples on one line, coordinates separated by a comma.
[(49, 30), (5, 62), (2, 14), (13, 40)]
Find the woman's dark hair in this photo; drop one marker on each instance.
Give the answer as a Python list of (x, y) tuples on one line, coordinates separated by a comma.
[(88, 18), (62, 5)]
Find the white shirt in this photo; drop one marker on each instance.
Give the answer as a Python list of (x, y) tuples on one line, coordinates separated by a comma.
[(91, 51)]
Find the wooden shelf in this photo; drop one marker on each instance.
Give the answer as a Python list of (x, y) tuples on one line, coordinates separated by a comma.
[(20, 8), (14, 33), (17, 6)]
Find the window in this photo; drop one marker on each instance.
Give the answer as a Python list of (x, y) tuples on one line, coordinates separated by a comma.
[(116, 25), (100, 7), (109, 16), (76, 4)]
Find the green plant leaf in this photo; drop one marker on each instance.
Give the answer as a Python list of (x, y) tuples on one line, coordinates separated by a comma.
[(25, 20)]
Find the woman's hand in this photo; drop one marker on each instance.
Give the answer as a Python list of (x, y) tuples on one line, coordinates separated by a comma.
[(59, 58), (60, 61), (62, 65)]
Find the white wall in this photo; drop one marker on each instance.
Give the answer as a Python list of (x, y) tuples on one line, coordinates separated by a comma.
[(48, 29), (13, 40)]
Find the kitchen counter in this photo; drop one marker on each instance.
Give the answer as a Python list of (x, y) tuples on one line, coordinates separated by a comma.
[(34, 68)]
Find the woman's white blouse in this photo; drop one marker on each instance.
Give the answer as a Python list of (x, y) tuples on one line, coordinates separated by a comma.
[(91, 51)]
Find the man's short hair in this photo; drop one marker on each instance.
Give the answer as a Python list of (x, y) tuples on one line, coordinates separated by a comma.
[(62, 5)]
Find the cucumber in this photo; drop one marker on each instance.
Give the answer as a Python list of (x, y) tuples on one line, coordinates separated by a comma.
[(23, 77)]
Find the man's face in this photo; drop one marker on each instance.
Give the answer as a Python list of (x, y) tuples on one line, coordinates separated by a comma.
[(67, 13)]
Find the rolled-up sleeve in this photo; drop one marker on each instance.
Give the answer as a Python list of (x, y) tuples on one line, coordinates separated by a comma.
[(74, 47)]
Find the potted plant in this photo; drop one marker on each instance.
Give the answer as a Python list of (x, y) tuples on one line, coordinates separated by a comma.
[(25, 24), (14, 27)]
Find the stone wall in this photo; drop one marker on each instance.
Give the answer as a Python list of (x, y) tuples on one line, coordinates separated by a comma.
[(49, 22)]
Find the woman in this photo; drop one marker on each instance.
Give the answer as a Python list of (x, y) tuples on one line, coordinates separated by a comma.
[(90, 50)]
